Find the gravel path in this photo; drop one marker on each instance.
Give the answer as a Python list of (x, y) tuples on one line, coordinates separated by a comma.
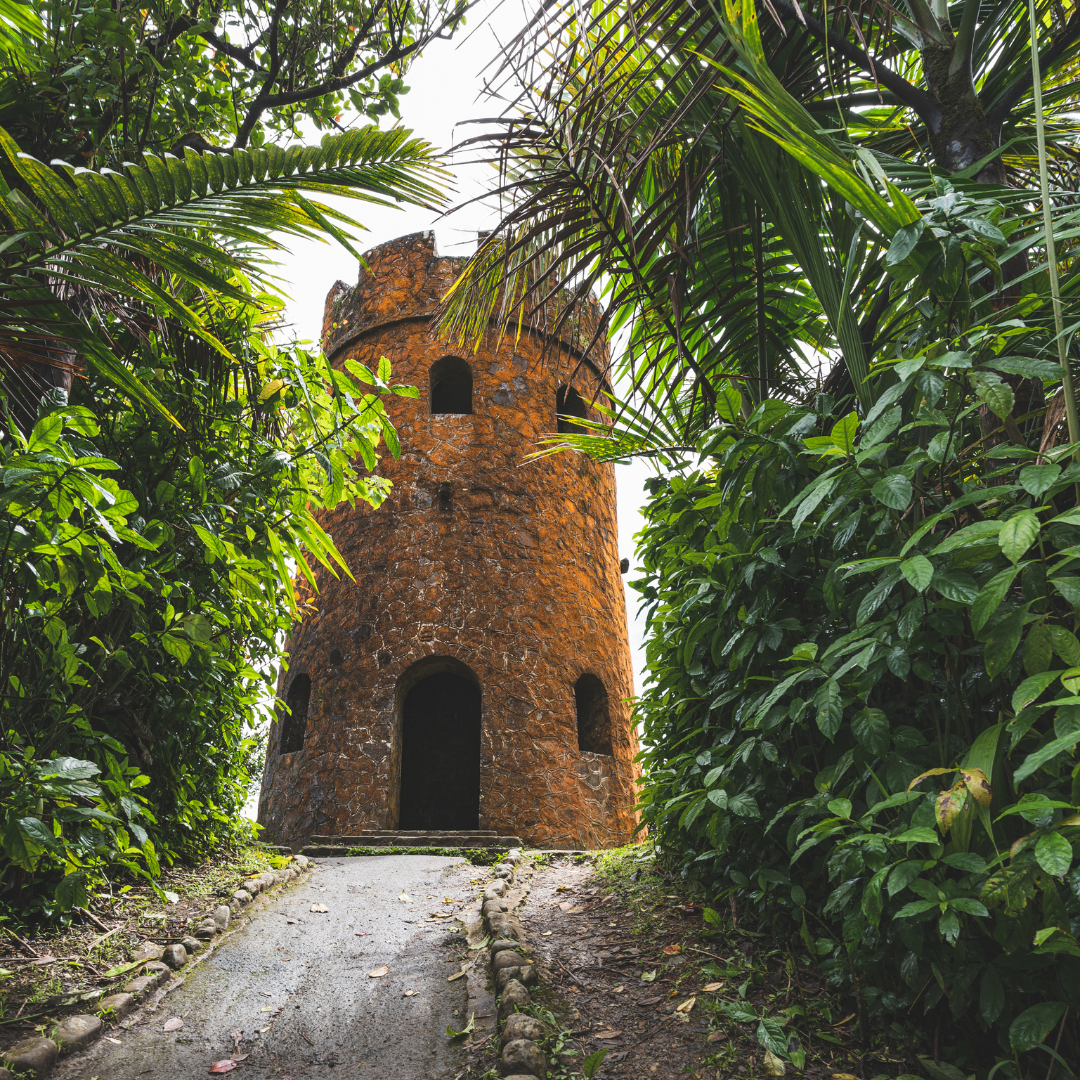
[(292, 988)]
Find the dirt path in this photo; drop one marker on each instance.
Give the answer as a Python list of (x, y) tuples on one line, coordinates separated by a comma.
[(291, 988)]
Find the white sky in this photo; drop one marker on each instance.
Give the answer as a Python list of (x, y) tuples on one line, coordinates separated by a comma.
[(445, 83)]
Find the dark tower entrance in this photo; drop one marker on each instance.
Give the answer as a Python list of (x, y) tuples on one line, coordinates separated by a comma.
[(440, 753)]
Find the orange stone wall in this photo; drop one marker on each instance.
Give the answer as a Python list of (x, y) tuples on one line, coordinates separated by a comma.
[(519, 580)]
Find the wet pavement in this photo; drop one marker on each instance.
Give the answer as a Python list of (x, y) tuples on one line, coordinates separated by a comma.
[(291, 988)]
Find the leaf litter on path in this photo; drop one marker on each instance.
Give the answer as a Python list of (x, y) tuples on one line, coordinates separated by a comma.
[(174, 1023), (319, 909), (379, 972)]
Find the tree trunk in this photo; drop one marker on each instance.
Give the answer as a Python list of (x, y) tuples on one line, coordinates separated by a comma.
[(961, 136)]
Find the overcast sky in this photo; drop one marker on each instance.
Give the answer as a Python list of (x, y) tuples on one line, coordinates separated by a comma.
[(445, 85)]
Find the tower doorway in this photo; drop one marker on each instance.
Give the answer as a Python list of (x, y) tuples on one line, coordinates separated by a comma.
[(440, 748)]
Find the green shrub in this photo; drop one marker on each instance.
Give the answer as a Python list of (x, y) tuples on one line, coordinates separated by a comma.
[(863, 693)]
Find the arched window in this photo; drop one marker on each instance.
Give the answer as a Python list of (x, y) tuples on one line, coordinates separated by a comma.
[(593, 716), (451, 386), (569, 404), (294, 722)]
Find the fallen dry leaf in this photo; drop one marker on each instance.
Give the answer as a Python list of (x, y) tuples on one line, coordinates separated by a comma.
[(606, 1034), (379, 972), (687, 1005), (566, 905), (716, 1036), (262, 1031), (108, 1039), (843, 1076), (710, 987), (286, 959), (319, 909), (173, 1024), (456, 975), (405, 898), (774, 1066), (362, 933), (267, 1008), (650, 1000), (574, 910), (409, 993), (618, 989), (240, 1057), (672, 950), (448, 899), (547, 933), (223, 1066)]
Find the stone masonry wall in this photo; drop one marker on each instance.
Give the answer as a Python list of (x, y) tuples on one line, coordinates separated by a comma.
[(519, 580)]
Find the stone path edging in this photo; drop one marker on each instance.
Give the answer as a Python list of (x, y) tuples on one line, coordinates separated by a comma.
[(37, 1055), (512, 973)]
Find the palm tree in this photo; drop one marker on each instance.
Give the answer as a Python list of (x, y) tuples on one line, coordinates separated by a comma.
[(730, 177)]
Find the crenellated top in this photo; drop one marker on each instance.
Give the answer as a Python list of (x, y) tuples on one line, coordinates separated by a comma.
[(404, 279)]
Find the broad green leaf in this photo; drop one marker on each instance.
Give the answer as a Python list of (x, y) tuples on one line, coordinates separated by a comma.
[(1038, 650), (1001, 640), (1033, 1025), (1035, 761), (955, 585), (1069, 587), (991, 995), (1065, 644), (894, 491), (1018, 534), (843, 433), (918, 570), (871, 728), (1038, 479), (990, 597), (1054, 854), (1032, 687), (829, 708)]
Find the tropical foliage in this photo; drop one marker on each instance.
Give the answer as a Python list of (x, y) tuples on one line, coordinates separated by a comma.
[(841, 346), (166, 451)]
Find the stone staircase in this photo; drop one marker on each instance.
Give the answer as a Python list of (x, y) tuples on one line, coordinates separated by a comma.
[(406, 838)]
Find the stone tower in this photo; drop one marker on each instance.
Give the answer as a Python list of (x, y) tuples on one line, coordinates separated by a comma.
[(475, 674)]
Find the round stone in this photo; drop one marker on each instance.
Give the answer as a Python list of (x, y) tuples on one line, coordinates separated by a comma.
[(175, 956), (77, 1032), (242, 896), (35, 1056), (147, 951), (193, 945), (522, 1026), (507, 958), (514, 997), (116, 1005), (503, 943), (523, 1056)]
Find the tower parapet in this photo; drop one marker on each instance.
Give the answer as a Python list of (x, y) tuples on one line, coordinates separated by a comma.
[(476, 673)]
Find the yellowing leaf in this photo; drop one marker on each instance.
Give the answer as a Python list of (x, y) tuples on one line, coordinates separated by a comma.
[(687, 1005), (710, 987), (948, 806), (270, 389), (774, 1066), (976, 782), (379, 972)]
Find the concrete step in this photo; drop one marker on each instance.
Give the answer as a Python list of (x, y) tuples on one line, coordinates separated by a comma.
[(339, 845)]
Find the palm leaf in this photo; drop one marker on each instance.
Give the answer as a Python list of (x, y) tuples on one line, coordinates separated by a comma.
[(165, 225)]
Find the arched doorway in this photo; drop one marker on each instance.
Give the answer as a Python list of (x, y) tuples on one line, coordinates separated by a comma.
[(439, 702)]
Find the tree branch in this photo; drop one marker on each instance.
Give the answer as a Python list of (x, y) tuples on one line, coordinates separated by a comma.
[(915, 99), (242, 56)]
